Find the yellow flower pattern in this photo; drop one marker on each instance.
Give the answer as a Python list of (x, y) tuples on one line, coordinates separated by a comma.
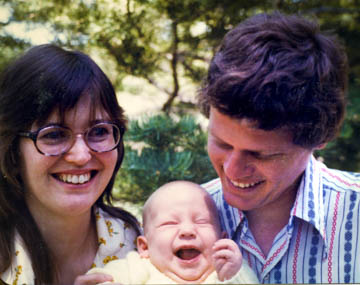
[(109, 258), (126, 226), (110, 229), (102, 241), (18, 271)]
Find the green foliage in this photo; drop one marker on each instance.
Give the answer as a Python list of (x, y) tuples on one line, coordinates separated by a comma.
[(167, 41), (160, 149), (344, 152), (163, 41), (10, 47)]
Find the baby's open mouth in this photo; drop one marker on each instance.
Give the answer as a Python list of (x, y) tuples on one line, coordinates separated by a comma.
[(187, 253)]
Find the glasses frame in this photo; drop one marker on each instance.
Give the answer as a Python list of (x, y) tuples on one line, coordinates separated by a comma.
[(33, 136)]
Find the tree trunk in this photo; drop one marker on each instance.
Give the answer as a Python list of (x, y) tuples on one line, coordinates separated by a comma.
[(174, 62)]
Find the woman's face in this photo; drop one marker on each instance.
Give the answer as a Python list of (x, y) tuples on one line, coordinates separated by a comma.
[(68, 184)]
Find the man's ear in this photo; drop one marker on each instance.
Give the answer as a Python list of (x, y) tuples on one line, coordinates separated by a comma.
[(321, 146), (142, 246)]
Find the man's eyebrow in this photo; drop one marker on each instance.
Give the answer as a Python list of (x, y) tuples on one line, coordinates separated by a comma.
[(264, 152)]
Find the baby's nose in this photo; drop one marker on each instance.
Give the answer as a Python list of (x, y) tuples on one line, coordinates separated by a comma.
[(187, 231)]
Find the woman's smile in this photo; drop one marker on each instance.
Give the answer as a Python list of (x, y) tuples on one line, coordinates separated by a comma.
[(74, 178)]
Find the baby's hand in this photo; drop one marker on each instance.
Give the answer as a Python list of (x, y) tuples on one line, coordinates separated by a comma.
[(93, 279), (227, 258)]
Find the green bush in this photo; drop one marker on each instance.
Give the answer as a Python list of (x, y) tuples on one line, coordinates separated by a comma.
[(160, 149), (344, 152)]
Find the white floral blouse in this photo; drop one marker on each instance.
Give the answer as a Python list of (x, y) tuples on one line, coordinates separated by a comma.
[(116, 239)]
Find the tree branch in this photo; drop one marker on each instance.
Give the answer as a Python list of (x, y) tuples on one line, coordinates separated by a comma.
[(152, 82)]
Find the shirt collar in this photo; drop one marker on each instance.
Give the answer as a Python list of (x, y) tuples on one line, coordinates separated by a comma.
[(309, 204), (20, 271)]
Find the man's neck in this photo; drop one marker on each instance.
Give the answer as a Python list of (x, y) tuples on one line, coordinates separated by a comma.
[(265, 223)]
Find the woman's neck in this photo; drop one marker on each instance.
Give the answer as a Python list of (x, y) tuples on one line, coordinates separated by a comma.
[(72, 242)]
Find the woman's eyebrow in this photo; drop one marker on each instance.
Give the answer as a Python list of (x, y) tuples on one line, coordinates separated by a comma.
[(49, 124), (102, 120)]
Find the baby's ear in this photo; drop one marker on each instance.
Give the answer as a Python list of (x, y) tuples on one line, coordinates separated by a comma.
[(142, 246), (224, 234)]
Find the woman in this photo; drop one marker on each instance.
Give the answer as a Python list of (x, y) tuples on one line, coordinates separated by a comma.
[(61, 146)]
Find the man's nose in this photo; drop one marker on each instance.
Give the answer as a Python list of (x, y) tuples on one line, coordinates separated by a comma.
[(238, 165)]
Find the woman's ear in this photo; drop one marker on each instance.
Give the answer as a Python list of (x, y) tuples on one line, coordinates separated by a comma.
[(142, 246)]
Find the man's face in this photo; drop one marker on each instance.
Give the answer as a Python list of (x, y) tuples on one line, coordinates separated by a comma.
[(258, 169)]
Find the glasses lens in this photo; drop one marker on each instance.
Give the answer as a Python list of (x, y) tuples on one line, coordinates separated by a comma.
[(53, 140), (103, 137)]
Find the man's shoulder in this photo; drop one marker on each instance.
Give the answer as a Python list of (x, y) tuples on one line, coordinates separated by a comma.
[(213, 186), (340, 180)]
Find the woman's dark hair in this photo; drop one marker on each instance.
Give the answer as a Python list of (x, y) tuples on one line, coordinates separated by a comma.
[(280, 72), (44, 79)]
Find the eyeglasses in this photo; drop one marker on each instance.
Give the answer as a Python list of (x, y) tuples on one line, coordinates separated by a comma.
[(56, 140)]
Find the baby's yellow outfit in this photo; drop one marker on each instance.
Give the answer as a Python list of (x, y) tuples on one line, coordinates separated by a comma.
[(136, 270)]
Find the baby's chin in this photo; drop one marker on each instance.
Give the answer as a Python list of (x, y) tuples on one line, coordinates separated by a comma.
[(189, 279)]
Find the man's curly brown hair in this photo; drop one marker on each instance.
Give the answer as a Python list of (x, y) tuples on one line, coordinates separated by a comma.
[(281, 72)]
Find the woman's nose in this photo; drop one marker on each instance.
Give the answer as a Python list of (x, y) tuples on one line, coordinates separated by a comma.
[(79, 153)]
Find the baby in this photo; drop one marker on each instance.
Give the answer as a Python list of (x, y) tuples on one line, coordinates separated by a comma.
[(182, 243)]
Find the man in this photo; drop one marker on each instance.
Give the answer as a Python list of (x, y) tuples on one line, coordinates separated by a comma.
[(275, 92)]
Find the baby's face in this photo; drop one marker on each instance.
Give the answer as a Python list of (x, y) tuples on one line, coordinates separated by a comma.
[(181, 231)]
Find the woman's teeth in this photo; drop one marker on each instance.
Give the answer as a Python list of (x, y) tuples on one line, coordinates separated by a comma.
[(244, 185), (75, 179)]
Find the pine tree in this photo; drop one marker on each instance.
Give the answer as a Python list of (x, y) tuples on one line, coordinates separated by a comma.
[(160, 149)]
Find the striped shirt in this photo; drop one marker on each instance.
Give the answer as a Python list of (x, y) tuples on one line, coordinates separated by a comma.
[(321, 242)]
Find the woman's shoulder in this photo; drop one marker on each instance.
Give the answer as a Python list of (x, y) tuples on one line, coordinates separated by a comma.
[(116, 237), (112, 224)]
